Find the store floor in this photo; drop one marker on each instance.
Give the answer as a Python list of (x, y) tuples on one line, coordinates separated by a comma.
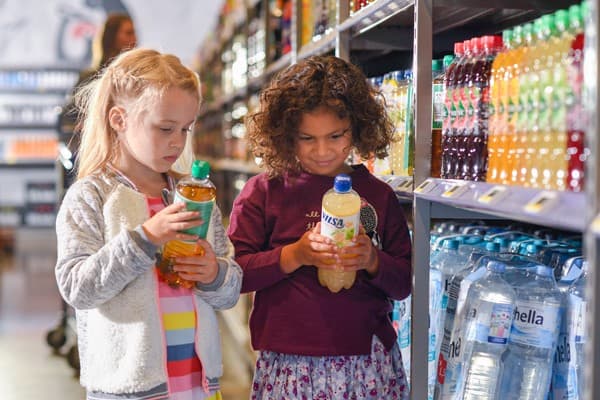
[(30, 306)]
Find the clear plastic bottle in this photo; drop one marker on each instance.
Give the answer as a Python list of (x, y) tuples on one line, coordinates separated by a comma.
[(490, 308), (340, 219), (527, 364), (199, 194), (567, 378)]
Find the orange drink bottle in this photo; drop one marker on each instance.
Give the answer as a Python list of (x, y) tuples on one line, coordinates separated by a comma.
[(199, 194)]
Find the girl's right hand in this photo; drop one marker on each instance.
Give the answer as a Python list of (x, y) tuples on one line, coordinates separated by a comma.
[(311, 249), (168, 223)]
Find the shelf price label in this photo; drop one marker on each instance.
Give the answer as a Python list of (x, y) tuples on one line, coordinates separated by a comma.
[(426, 187), (541, 203), (455, 190), (493, 195), (596, 225), (405, 186)]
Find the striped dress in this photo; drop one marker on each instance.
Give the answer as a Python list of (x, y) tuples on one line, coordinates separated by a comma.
[(177, 308)]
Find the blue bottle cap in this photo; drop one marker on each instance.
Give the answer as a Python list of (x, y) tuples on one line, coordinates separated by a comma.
[(342, 183), (496, 266)]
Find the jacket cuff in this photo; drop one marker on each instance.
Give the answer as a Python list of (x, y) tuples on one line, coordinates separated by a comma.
[(140, 238), (218, 282)]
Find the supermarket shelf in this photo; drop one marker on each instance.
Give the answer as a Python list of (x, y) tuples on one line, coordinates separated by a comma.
[(28, 163), (28, 127), (402, 186), (226, 164), (373, 14), (560, 210), (279, 64), (319, 47)]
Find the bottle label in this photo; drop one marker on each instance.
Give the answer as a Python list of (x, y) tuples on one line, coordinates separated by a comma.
[(534, 324), (339, 229), (438, 106), (491, 323), (204, 207)]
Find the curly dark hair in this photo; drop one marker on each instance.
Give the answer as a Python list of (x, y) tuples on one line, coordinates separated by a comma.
[(303, 87)]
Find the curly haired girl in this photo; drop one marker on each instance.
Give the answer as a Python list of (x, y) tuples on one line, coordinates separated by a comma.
[(315, 344)]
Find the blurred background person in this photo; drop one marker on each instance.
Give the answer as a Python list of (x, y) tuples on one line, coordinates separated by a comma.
[(117, 35)]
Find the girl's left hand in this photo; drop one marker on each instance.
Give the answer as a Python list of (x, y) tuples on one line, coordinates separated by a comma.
[(360, 256), (203, 269)]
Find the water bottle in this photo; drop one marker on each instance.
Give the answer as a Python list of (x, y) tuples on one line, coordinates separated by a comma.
[(199, 194), (447, 262), (567, 378), (528, 360), (448, 348), (490, 309), (340, 219)]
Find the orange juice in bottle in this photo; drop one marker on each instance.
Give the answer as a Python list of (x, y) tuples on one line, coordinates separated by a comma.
[(510, 100), (524, 108), (340, 219), (199, 194), (497, 107)]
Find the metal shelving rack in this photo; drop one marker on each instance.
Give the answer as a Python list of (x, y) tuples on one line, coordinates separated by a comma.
[(418, 29)]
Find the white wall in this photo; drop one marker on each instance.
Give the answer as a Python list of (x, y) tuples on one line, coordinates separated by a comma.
[(42, 33)]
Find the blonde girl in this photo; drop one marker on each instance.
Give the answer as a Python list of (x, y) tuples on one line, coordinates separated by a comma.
[(138, 337)]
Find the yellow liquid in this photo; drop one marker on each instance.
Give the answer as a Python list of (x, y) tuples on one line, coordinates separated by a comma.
[(346, 206), (179, 248), (558, 141), (496, 120)]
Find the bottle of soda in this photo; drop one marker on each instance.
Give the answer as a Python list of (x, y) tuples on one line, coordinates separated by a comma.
[(199, 194), (437, 70), (340, 219), (449, 116)]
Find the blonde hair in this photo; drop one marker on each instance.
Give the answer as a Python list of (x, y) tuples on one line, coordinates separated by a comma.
[(133, 80)]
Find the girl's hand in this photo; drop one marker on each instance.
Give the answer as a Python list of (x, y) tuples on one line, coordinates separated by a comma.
[(203, 269), (360, 256), (166, 224), (311, 249)]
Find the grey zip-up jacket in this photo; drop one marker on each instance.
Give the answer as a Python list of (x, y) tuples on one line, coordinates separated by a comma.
[(105, 270)]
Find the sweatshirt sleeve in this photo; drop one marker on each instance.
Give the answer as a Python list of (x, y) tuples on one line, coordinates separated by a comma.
[(89, 270), (394, 275), (249, 233)]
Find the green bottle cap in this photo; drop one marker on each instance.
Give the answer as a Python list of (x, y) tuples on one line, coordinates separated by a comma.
[(436, 65), (561, 17), (448, 60), (200, 169)]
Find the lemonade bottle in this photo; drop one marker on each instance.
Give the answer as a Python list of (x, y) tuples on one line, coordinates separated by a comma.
[(198, 193), (340, 218)]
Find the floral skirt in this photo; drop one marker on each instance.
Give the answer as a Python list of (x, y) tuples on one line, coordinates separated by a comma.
[(379, 375)]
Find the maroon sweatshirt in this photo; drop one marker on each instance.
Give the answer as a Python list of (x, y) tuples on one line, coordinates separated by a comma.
[(293, 313)]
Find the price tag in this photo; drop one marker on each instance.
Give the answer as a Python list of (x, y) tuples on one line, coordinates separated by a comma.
[(405, 186), (455, 190), (493, 195), (426, 187), (596, 225), (542, 202)]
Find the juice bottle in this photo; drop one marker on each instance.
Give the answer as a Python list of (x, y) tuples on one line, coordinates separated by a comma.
[(541, 163), (449, 115), (561, 44), (340, 219), (198, 193), (466, 110), (524, 108), (512, 73), (406, 88), (497, 106), (575, 115), (475, 164), (437, 71)]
